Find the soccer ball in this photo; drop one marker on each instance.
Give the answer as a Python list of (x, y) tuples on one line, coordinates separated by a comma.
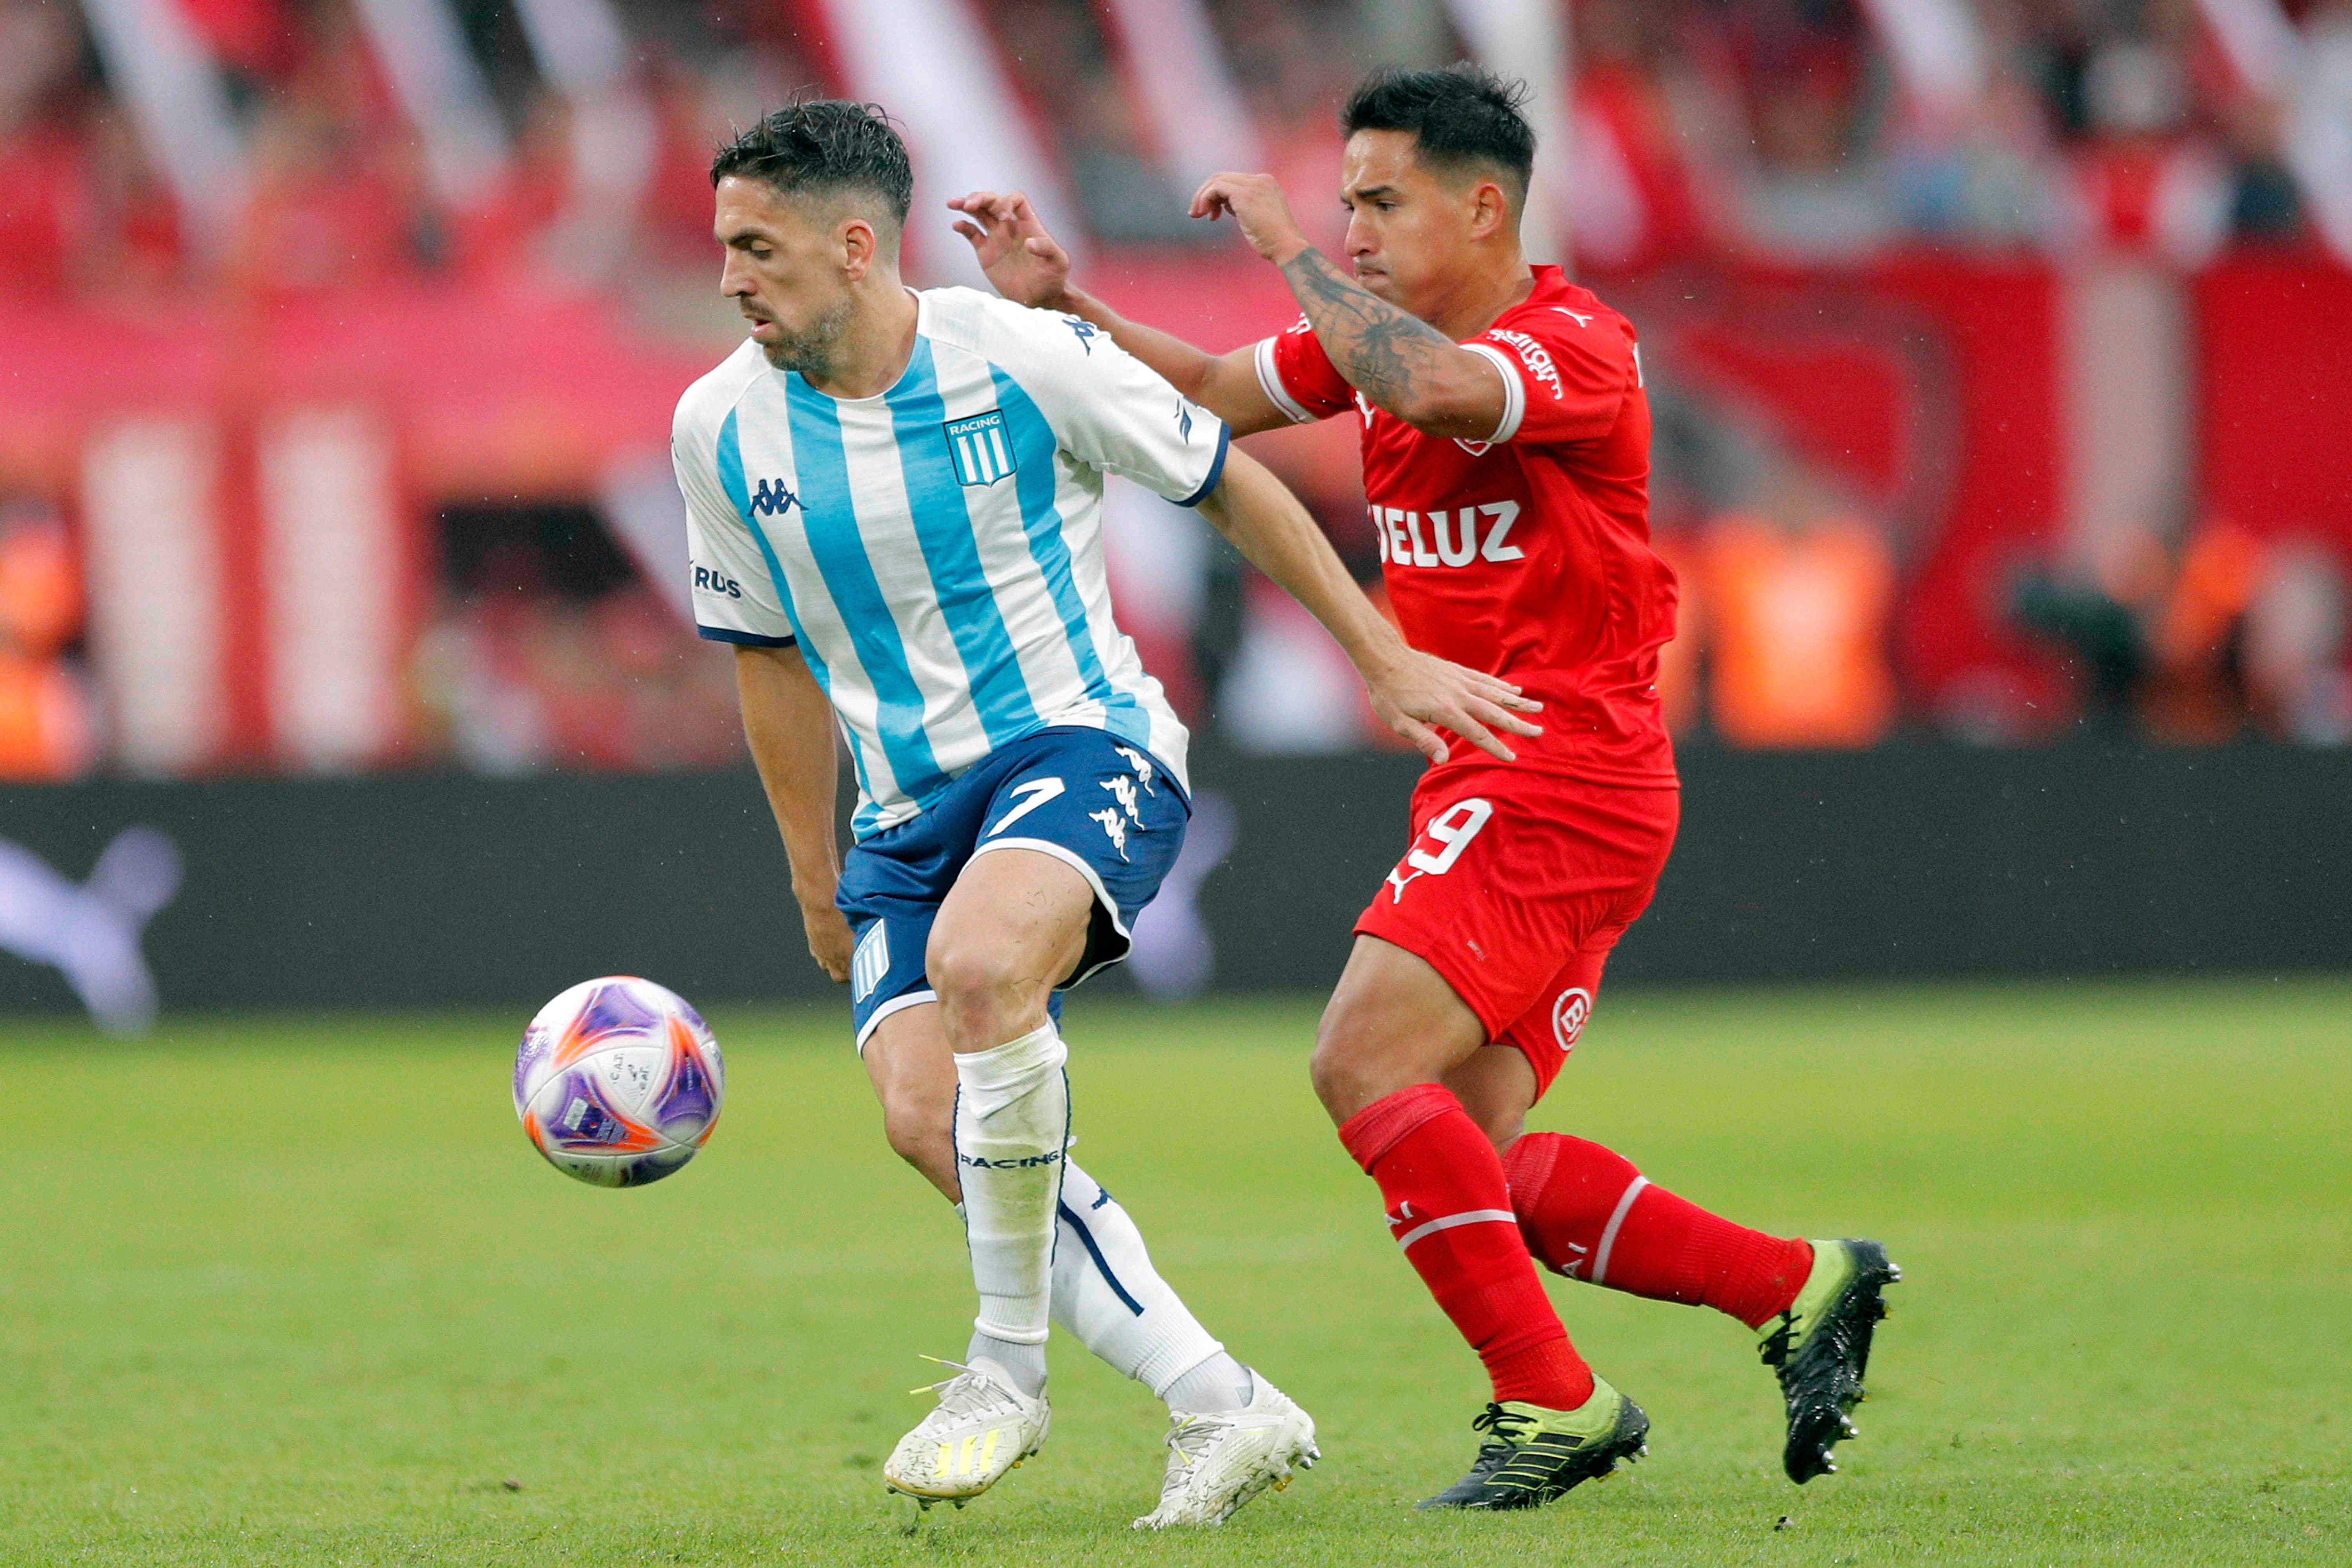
[(618, 1082)]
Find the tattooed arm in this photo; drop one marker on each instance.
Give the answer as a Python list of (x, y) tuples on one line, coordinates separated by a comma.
[(1397, 360), (1029, 267)]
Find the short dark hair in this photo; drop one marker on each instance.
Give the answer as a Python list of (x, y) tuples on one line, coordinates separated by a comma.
[(821, 146), (1461, 116)]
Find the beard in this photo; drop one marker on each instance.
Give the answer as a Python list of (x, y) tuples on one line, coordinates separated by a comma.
[(810, 350)]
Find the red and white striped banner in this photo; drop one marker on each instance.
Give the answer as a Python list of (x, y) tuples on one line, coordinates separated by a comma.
[(930, 64), (1168, 49)]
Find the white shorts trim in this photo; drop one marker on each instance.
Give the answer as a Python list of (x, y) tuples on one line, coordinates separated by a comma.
[(895, 1005), (1076, 862), (1269, 381)]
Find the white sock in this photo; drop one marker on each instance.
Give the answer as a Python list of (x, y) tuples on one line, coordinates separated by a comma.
[(1012, 1122), (1024, 1363), (1107, 1293), (1215, 1386)]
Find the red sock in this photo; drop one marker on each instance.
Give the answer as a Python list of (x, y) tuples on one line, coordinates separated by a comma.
[(1447, 1200), (1587, 1212)]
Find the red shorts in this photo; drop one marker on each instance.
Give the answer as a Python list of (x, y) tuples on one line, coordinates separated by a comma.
[(1515, 889)]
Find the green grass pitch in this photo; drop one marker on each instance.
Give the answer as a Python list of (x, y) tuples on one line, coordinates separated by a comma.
[(295, 1290)]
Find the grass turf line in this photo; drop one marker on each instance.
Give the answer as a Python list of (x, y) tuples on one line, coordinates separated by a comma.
[(295, 1290)]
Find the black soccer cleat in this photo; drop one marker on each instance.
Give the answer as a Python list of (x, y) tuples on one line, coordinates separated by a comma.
[(1820, 1350), (1532, 1455)]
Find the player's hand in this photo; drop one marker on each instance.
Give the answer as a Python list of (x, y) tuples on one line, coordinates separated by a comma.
[(1023, 262), (1417, 694), (828, 939), (1257, 203)]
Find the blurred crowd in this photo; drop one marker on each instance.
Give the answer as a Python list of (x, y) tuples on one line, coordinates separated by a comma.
[(1792, 128), (342, 192), (550, 650), (1804, 133)]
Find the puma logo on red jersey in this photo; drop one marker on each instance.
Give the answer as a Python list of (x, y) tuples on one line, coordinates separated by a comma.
[(1451, 538)]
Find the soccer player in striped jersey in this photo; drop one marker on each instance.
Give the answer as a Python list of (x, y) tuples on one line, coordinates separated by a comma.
[(893, 503)]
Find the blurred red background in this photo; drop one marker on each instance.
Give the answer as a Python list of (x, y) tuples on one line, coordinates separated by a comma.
[(2001, 352)]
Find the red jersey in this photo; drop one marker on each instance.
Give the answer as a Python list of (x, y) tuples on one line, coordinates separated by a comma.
[(1529, 553)]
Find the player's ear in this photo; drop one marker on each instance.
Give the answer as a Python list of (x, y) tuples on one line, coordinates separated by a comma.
[(859, 246), (1490, 210)]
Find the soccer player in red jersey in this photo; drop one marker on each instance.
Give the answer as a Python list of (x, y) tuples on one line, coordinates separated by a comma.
[(1506, 443)]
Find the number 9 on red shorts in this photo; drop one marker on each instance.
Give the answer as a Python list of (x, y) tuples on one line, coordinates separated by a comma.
[(1515, 888)]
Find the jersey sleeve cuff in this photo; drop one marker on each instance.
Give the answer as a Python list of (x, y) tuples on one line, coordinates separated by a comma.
[(1269, 381), (1216, 467), (1515, 392), (744, 639)]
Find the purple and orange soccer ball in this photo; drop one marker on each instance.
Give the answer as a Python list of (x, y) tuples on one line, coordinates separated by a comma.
[(618, 1082)]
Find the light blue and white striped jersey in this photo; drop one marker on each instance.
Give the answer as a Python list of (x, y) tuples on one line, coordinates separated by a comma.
[(937, 552)]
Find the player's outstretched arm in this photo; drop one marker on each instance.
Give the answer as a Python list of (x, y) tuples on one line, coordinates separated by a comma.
[(1415, 693), (789, 724), (1396, 359), (1028, 266)]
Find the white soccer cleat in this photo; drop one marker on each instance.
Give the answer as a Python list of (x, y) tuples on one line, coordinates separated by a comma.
[(983, 1427), (1216, 1463)]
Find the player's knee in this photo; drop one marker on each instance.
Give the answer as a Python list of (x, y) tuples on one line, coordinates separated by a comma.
[(918, 1127), (1346, 1072), (910, 1139), (1327, 1072), (969, 972)]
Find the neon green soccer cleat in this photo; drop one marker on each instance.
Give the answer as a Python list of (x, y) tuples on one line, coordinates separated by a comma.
[(1820, 1348), (1532, 1455)]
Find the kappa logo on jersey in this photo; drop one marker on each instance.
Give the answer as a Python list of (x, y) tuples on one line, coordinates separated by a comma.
[(1086, 331), (1140, 762), (1114, 826), (1536, 357), (1122, 790), (712, 582), (1568, 1017), (869, 961), (1460, 536), (772, 499), (982, 454)]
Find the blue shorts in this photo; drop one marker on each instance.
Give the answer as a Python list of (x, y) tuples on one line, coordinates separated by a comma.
[(1108, 810)]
